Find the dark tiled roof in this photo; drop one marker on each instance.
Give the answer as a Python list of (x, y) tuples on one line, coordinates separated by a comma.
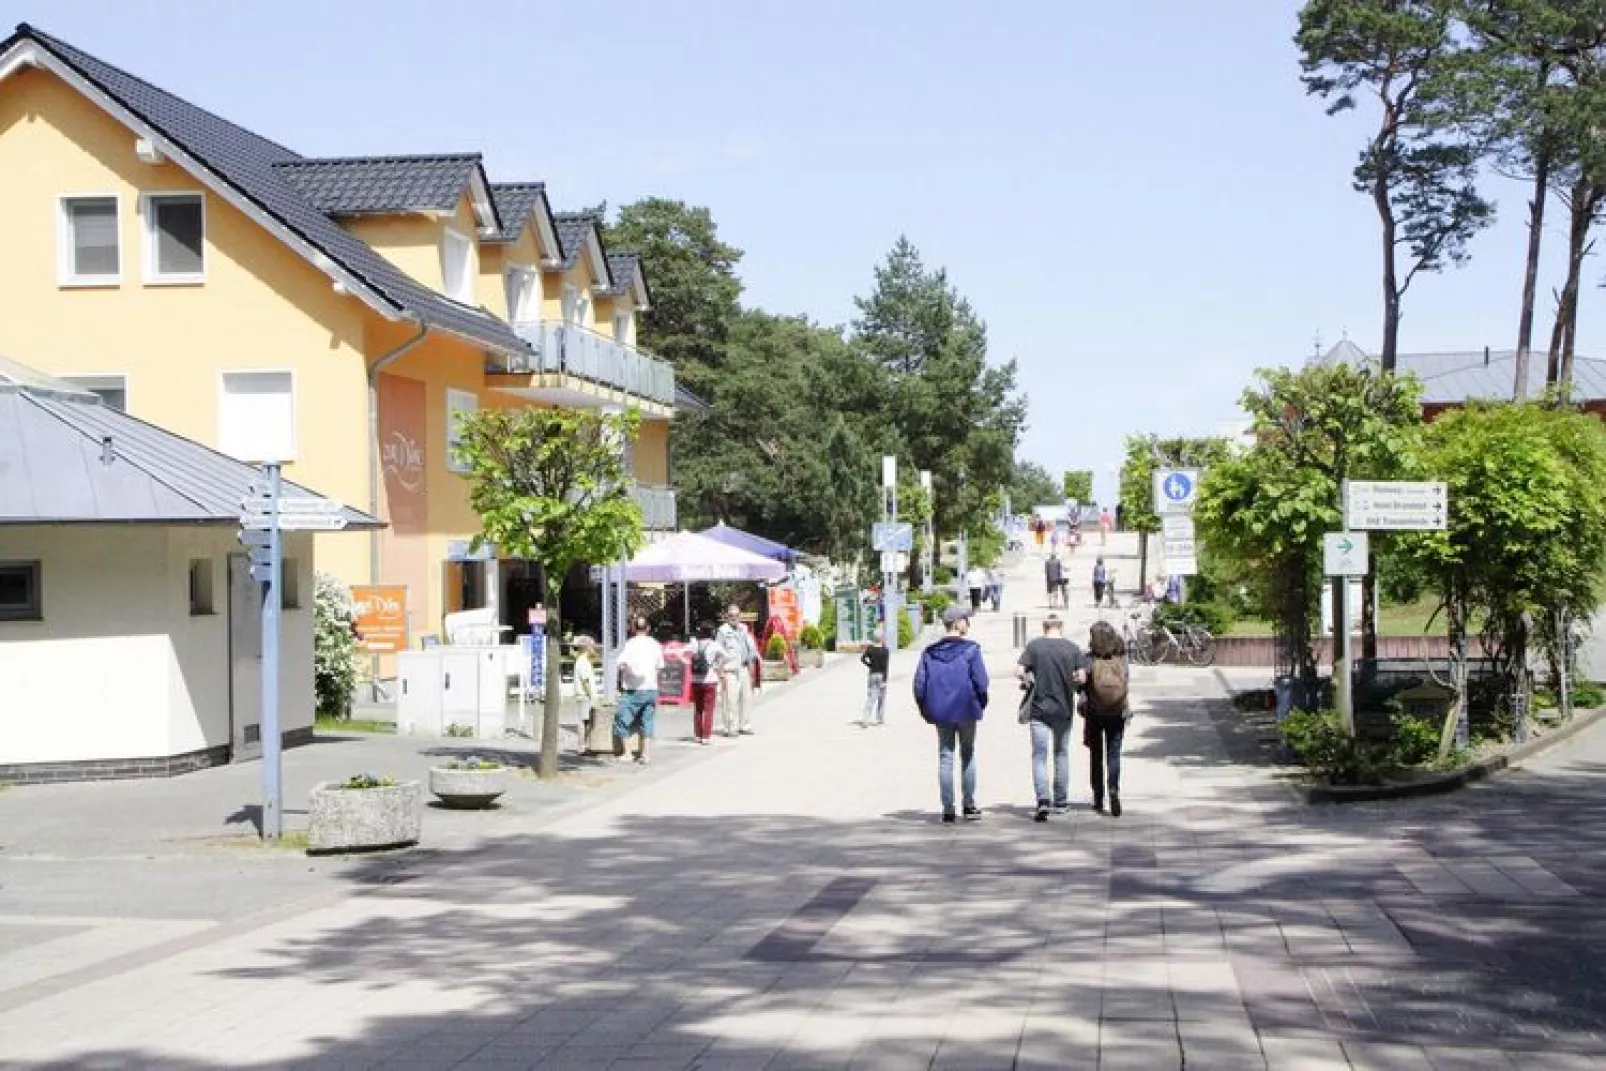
[(65, 458), (246, 161), (350, 185), (573, 227), (622, 268), (515, 203)]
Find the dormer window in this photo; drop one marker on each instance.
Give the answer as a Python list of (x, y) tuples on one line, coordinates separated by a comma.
[(457, 266)]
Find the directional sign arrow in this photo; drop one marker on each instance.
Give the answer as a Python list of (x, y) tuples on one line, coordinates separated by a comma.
[(1346, 544)]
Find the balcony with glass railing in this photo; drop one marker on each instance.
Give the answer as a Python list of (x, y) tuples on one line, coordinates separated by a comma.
[(568, 349), (657, 506)]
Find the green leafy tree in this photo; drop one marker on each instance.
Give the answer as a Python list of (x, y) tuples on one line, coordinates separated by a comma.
[(692, 275), (1266, 509), (1078, 485), (1417, 167), (955, 415), (1031, 486), (1144, 454), (551, 486), (1526, 533)]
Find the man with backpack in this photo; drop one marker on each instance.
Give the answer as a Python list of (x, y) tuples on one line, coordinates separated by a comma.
[(1052, 668), (1105, 712), (951, 693)]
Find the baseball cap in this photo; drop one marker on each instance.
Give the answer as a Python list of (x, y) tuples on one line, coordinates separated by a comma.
[(954, 613)]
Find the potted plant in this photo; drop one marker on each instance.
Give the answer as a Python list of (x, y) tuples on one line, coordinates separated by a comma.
[(811, 647), (776, 667), (468, 783), (363, 813)]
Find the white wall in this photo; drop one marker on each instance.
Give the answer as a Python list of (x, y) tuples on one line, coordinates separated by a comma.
[(118, 668)]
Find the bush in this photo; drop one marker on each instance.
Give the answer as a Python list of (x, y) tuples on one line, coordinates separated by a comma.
[(1319, 739), (367, 780), (1214, 616), (1587, 695), (775, 649), (810, 639), (1415, 740), (334, 647), (935, 602), (906, 632), (943, 574), (828, 621)]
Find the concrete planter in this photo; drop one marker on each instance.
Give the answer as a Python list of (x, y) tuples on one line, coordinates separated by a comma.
[(468, 789), (362, 819), (810, 658), (775, 671)]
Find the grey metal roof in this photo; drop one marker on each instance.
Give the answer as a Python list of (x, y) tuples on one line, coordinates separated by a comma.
[(67, 459), (246, 161), (688, 402), (515, 203), (1465, 375), (357, 184)]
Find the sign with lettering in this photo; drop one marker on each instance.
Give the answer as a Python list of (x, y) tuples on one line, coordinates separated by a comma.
[(381, 617), (1395, 505)]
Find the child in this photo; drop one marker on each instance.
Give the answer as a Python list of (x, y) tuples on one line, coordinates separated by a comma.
[(875, 659), (585, 686)]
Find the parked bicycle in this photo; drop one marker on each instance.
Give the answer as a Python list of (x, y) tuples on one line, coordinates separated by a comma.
[(1150, 641)]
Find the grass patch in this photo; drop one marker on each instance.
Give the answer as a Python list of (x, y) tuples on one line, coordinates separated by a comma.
[(1409, 619), (355, 725)]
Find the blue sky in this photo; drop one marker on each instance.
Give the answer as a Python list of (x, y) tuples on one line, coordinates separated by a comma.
[(1137, 197)]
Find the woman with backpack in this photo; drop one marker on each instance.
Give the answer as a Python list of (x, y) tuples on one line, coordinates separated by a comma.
[(1105, 712), (707, 660)]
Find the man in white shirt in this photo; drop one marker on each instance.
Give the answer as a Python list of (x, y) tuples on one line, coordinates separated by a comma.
[(736, 674), (640, 659)]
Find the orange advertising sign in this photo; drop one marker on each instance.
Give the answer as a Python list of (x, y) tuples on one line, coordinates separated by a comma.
[(381, 617), (783, 604)]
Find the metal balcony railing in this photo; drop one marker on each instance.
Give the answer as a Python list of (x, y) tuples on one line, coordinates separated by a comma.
[(576, 351), (657, 506)]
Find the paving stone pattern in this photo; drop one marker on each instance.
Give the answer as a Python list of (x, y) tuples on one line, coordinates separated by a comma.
[(791, 900)]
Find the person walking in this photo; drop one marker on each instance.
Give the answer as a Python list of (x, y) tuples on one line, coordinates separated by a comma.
[(707, 661), (585, 686), (995, 588), (1105, 523), (1101, 577), (1053, 577), (1053, 667), (875, 659), (951, 694), (1105, 712), (736, 674), (640, 659), (975, 582)]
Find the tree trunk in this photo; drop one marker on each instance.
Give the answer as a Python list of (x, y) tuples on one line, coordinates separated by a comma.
[(1143, 562), (552, 712), (1585, 200), (1391, 289), (1530, 278), (1369, 612), (1457, 619)]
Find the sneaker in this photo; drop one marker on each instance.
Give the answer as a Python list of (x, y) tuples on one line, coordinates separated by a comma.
[(948, 818), (1042, 813), (1115, 805), (1062, 806), (747, 732), (973, 814)]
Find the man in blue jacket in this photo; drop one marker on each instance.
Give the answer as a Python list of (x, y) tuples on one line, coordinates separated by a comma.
[(951, 693)]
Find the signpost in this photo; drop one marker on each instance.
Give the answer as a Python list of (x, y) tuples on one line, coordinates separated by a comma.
[(889, 537), (260, 533), (892, 535), (1175, 490), (1344, 554), (1395, 506)]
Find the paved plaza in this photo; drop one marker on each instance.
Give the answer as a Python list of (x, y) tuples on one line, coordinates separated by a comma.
[(792, 901)]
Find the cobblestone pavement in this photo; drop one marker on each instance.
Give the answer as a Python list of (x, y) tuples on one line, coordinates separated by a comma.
[(791, 901)]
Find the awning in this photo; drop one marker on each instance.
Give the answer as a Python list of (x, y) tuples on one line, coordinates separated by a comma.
[(754, 544), (687, 557)]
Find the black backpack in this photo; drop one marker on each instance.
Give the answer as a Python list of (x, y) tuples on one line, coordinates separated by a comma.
[(699, 660)]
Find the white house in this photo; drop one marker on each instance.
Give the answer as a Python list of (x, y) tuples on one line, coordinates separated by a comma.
[(130, 627)]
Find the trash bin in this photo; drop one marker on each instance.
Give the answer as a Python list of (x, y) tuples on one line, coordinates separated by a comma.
[(1020, 630), (1284, 689)]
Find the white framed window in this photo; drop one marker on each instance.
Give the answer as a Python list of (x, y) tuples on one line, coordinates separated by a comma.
[(201, 603), (520, 295), (457, 266), (175, 237), (20, 596), (621, 328), (458, 404), (111, 389), (571, 303), (89, 253), (257, 416)]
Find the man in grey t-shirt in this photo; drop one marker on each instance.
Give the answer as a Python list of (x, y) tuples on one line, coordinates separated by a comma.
[(1055, 667)]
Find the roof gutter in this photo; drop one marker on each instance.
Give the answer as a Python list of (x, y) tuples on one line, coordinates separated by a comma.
[(373, 439)]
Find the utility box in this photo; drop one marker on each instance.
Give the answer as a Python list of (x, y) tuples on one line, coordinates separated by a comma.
[(447, 686)]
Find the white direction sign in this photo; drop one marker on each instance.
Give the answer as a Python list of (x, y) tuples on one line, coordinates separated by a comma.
[(1175, 490), (294, 522), (1177, 527), (1344, 553), (1395, 505), (1182, 565), (302, 504)]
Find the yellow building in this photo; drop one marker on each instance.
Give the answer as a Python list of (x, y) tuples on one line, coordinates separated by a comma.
[(215, 283)]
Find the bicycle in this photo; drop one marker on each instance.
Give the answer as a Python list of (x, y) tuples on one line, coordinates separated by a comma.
[(1149, 643), (1197, 645)]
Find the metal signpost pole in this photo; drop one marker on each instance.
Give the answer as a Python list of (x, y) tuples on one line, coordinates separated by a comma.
[(272, 739), (1342, 691), (928, 567), (889, 509)]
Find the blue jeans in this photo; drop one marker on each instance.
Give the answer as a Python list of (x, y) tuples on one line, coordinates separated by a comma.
[(635, 709), (964, 734), (875, 700), (1057, 732), (1103, 737)]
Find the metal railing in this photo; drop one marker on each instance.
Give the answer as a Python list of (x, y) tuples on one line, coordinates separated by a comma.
[(657, 506), (577, 351)]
